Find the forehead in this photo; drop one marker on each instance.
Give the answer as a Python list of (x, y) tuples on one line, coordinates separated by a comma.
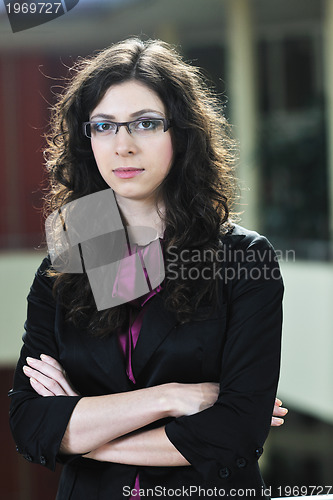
[(127, 98)]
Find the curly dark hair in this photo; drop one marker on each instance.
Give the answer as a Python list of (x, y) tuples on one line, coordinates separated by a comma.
[(198, 191)]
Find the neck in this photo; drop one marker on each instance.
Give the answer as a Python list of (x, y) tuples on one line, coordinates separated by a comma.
[(142, 213)]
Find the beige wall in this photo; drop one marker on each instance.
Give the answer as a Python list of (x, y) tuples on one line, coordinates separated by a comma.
[(307, 369), (17, 271)]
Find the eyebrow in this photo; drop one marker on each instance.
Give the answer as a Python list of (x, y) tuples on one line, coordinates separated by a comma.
[(132, 115)]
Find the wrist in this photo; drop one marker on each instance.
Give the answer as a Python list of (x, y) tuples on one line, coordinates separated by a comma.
[(166, 399)]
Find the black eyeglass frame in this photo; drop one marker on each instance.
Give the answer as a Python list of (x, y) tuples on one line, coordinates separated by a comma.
[(166, 124)]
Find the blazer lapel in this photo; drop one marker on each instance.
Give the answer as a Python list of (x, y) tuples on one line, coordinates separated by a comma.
[(95, 366), (157, 323), (117, 366)]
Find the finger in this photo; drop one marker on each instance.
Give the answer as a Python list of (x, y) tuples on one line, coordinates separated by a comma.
[(49, 383), (65, 382), (52, 362), (278, 402), (39, 388), (276, 422), (279, 411), (53, 373), (48, 368)]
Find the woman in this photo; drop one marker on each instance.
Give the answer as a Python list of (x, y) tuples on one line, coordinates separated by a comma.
[(171, 392)]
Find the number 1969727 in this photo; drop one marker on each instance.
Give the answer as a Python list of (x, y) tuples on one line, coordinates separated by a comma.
[(33, 8)]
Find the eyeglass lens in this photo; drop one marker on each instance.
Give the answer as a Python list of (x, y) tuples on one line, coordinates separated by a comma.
[(144, 127)]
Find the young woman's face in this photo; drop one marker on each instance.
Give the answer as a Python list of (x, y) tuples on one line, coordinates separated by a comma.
[(133, 165)]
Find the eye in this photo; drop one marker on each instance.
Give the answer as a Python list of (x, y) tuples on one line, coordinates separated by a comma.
[(149, 124), (105, 127)]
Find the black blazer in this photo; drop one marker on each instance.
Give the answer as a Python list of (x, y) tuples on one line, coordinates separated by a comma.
[(238, 346)]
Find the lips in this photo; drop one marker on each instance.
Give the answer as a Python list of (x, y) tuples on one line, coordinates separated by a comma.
[(127, 172)]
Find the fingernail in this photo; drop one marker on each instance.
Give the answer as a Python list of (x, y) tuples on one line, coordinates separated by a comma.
[(284, 410), (43, 356), (280, 421), (26, 369), (30, 360)]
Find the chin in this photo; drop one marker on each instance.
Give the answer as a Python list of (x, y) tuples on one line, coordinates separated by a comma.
[(131, 195)]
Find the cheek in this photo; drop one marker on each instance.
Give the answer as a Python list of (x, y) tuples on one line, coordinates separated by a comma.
[(100, 155), (97, 151), (167, 155)]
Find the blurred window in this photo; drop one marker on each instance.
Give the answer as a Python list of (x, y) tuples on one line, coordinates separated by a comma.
[(293, 157), (211, 59)]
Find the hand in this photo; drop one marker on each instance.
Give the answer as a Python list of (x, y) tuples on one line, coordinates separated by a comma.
[(278, 411), (48, 378), (187, 399)]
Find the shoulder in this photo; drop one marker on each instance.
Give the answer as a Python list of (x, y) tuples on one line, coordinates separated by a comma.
[(248, 256), (44, 272), (43, 282), (41, 306), (44, 267), (238, 237)]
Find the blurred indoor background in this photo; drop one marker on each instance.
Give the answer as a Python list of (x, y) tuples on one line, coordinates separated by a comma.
[(272, 64)]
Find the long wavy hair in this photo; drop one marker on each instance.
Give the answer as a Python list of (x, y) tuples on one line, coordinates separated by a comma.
[(198, 191)]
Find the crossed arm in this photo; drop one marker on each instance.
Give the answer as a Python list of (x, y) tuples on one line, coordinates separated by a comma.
[(119, 436)]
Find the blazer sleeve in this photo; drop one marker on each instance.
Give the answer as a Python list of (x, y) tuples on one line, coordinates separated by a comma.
[(39, 423), (224, 439)]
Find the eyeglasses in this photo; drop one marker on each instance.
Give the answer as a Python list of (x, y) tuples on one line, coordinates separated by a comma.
[(144, 127)]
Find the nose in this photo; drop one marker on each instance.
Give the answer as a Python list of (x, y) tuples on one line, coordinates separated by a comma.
[(124, 143)]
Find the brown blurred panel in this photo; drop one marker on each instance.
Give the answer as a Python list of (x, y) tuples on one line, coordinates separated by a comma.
[(9, 125), (33, 114), (3, 194), (28, 84)]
